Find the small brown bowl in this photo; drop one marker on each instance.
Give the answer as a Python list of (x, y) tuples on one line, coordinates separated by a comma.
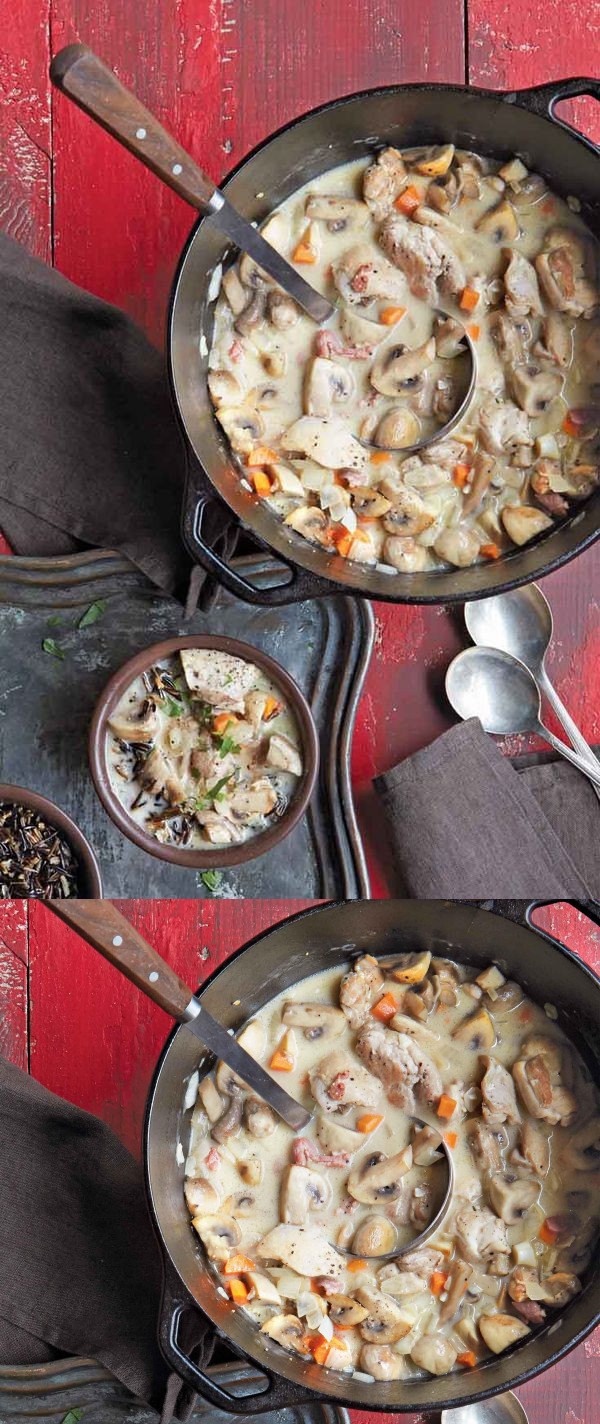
[(90, 884), (205, 857)]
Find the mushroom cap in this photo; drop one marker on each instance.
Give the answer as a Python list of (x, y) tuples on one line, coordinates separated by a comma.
[(499, 1331), (378, 1178)]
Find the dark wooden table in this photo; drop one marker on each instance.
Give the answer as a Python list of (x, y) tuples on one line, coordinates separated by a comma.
[(87, 1034)]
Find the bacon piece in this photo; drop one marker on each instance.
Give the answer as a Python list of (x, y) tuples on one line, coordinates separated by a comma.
[(529, 1310), (328, 344), (213, 1159), (236, 351), (305, 1151)]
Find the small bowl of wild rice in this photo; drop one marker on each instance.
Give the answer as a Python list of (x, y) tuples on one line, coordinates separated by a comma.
[(43, 854)]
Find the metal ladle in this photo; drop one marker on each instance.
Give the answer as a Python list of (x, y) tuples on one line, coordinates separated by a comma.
[(519, 622), (500, 691), (82, 77), (432, 1226), (502, 1409)]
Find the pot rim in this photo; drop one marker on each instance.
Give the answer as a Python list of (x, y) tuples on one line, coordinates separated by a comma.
[(390, 1405), (84, 853), (202, 858), (306, 561)]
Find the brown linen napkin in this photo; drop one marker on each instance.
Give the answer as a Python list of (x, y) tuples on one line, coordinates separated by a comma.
[(465, 822), (80, 1268), (90, 450)]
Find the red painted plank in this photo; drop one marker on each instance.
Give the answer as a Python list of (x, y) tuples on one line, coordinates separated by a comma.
[(104, 1050), (13, 982), (25, 126)]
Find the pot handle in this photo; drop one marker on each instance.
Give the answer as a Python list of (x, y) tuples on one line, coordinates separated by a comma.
[(279, 1393), (301, 585), (543, 98), (521, 912)]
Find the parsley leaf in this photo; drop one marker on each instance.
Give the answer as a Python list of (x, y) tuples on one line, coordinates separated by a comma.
[(211, 878), (213, 793), (171, 707), (73, 1416), (204, 713), (93, 613), (49, 645), (226, 744), (54, 621)]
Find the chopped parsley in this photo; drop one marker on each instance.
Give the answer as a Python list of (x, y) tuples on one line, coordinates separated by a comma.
[(50, 646), (226, 744), (211, 878), (213, 793), (93, 613), (204, 713), (171, 707), (73, 1416)]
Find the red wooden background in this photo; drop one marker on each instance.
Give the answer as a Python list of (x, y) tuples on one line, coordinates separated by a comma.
[(91, 1037), (222, 74)]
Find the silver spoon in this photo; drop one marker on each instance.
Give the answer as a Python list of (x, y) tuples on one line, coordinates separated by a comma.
[(503, 1409), (432, 1226), (443, 431), (520, 622), (503, 694)]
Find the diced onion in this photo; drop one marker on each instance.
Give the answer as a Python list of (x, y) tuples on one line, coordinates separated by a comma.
[(326, 1328), (191, 1092)]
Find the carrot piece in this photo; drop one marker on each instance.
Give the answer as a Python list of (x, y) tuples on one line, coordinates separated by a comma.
[(304, 252), (261, 482), (261, 455), (548, 1233), (319, 1348), (237, 1291), (408, 200), (222, 721), (451, 1139), (437, 1282), (368, 1122), (280, 1063), (474, 331), (467, 1358), (385, 1008), (358, 1265), (344, 544), (490, 551), (569, 426), (460, 475), (469, 298), (271, 707), (380, 457), (236, 1265), (446, 1106), (390, 315)]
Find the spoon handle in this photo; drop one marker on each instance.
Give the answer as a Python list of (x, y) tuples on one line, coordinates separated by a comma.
[(570, 755), (90, 84), (572, 730)]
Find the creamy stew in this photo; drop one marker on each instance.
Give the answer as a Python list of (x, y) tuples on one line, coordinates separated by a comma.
[(393, 240), (370, 1050), (203, 750)]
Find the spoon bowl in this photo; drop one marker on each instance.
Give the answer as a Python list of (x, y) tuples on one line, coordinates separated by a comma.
[(502, 1409), (432, 1226)]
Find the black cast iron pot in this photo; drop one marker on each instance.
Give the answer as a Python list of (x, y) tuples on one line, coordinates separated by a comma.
[(305, 944), (501, 125)]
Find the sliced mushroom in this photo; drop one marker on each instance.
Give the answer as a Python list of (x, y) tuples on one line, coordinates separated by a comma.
[(436, 161), (409, 514), (228, 1125), (251, 1170), (534, 1147), (426, 1146), (404, 554), (282, 310), (384, 1322), (398, 429), (535, 389), (397, 365), (303, 1249), (235, 292), (500, 223), (224, 388), (375, 1236), (334, 1137), (582, 1151), (511, 1200), (219, 1235), (318, 1020), (378, 1178), (142, 726), (253, 314), (327, 383), (408, 968), (344, 1310), (381, 1362), (522, 522), (459, 546), (329, 442), (259, 1118), (243, 426), (201, 1196), (500, 1331), (302, 1190), (434, 1353), (560, 1287), (283, 754), (460, 1275), (555, 342), (287, 1330), (477, 1031), (339, 213), (449, 338), (482, 471), (310, 521), (369, 502), (484, 1146)]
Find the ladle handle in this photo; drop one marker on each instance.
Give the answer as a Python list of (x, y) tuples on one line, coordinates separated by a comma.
[(572, 730), (90, 84), (107, 930), (570, 755)]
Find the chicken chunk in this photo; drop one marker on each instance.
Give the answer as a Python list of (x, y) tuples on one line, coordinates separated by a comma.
[(383, 181), (338, 1080), (358, 989), (361, 276), (302, 1248), (498, 1093), (480, 1234), (522, 294), (283, 755), (503, 426), (217, 678), (424, 256), (403, 1066), (510, 337), (566, 272)]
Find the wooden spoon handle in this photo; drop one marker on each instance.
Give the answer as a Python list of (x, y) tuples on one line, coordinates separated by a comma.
[(106, 929), (79, 74)]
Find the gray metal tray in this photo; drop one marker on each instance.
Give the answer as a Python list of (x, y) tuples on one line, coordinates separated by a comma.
[(46, 706), (46, 1393)]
